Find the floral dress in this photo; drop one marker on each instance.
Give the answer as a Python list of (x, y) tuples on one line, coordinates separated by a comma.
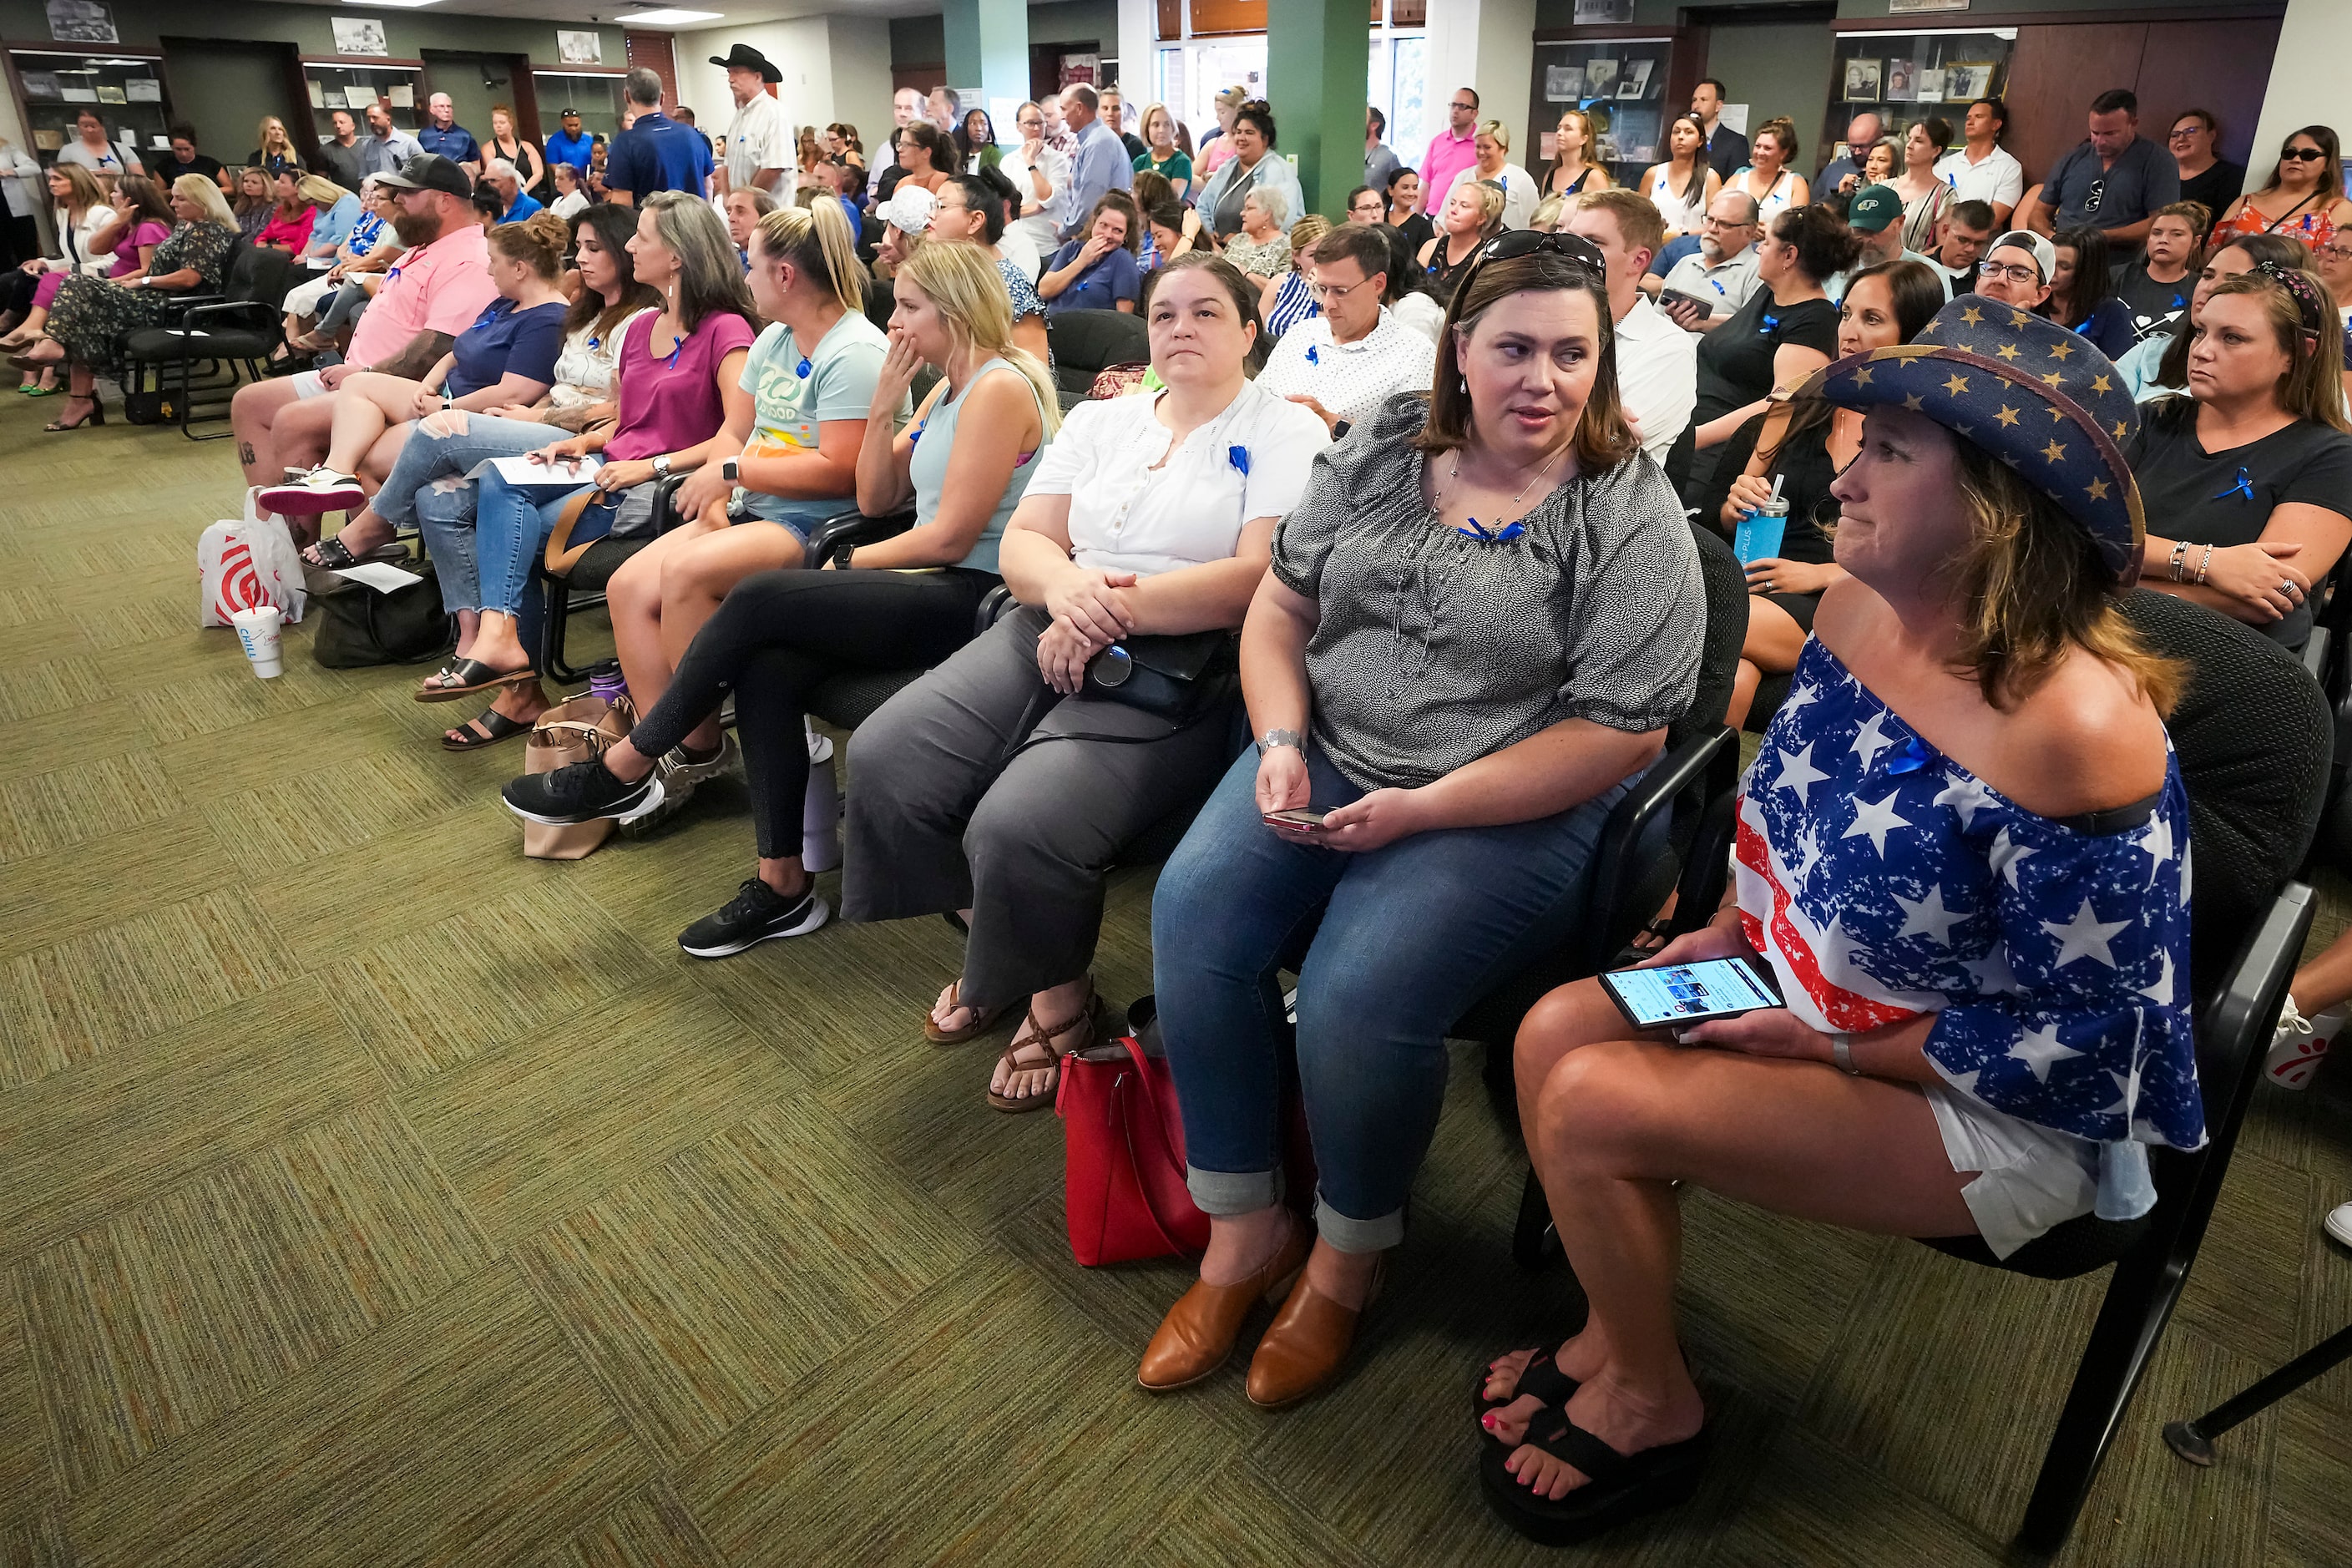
[(90, 314), (1269, 257)]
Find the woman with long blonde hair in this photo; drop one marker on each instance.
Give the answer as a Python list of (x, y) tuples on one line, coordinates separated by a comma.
[(907, 600), (274, 151)]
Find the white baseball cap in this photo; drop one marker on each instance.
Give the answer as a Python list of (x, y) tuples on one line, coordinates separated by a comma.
[(910, 209)]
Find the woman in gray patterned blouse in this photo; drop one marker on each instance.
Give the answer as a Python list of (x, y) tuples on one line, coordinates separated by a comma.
[(1480, 619)]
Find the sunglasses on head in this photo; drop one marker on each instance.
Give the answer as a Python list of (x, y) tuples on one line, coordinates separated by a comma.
[(1572, 248)]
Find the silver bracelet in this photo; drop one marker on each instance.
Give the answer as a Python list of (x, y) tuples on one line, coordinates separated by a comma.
[(1842, 1053)]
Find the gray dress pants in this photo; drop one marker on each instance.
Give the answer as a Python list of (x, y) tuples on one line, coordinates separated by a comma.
[(943, 815)]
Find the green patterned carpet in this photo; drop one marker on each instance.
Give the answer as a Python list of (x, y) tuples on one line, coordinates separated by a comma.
[(372, 1195)]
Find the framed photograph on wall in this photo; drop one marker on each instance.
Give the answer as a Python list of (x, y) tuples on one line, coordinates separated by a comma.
[(1563, 84), (1902, 81), (1966, 80), (359, 35), (1862, 81), (1931, 85), (1634, 81), (1600, 77), (81, 22), (579, 48)]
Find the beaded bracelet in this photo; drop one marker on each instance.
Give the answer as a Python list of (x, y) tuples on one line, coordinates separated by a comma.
[(2203, 562)]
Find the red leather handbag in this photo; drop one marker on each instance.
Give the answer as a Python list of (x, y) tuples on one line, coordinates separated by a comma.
[(1123, 1146)]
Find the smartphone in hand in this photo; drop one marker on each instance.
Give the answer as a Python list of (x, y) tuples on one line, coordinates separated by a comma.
[(1312, 820), (1679, 995)]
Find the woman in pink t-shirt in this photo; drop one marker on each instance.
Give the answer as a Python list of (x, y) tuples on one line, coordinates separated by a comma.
[(289, 229), (677, 387)]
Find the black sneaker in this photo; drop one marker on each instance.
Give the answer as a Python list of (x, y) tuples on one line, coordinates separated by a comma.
[(757, 913), (581, 793)]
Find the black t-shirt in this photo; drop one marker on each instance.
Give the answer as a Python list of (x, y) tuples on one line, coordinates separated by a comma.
[(2227, 497), (1417, 230), (2216, 187), (1734, 360), (1806, 470), (167, 168), (2154, 306)]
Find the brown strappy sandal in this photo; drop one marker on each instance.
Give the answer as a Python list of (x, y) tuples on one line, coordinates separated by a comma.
[(983, 1020), (1087, 1019)]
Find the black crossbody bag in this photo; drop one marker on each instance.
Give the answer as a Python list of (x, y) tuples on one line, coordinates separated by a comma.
[(1179, 678)]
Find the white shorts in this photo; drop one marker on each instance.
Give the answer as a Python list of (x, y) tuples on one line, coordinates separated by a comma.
[(2032, 1178), (305, 299)]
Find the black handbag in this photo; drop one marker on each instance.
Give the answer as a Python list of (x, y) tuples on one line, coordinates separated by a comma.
[(359, 627), (1179, 678)]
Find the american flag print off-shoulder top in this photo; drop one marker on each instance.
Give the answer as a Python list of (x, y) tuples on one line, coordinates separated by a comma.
[(1882, 880)]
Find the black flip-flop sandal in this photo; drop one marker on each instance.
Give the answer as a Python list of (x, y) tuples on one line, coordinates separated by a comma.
[(471, 675), (1541, 1380), (500, 728), (334, 555), (1617, 1486)]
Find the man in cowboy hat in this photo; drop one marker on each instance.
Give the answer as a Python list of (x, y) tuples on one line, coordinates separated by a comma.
[(759, 143)]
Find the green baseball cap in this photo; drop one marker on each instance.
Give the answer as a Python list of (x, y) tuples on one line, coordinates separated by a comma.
[(1872, 209)]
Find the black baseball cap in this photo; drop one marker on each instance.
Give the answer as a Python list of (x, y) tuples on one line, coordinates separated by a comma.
[(430, 172)]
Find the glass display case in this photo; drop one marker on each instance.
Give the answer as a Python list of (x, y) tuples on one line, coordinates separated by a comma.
[(1909, 77), (333, 85), (124, 86), (1620, 85), (595, 94)]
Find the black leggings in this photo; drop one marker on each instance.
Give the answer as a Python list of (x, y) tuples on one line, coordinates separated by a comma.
[(776, 637)]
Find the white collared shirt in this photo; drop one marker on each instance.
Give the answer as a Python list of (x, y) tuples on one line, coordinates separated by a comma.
[(757, 139), (1126, 515), (1999, 178), (1350, 379), (1658, 375)]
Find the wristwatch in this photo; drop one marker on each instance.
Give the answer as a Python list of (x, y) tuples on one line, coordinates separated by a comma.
[(661, 466), (732, 470), (1272, 738)]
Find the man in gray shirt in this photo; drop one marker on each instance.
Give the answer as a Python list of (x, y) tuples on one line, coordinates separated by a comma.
[(1861, 133), (384, 150), (1380, 165), (2113, 181)]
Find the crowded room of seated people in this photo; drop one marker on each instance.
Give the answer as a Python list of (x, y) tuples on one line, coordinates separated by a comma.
[(760, 810)]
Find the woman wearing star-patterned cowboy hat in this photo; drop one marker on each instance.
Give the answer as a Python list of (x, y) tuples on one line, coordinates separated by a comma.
[(1959, 857), (2251, 470)]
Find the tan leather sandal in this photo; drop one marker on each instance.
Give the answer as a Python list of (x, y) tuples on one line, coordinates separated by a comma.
[(983, 1020), (1086, 1023)]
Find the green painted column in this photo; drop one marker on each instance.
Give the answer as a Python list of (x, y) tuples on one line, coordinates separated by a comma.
[(1318, 56), (988, 48)]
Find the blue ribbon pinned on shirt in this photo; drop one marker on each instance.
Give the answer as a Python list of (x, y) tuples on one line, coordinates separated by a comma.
[(1312, 357), (1239, 458), (917, 433), (1914, 756), (2243, 485), (1484, 535), (1771, 322)]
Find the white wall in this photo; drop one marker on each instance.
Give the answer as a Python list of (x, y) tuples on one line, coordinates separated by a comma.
[(1482, 44), (861, 74), (2306, 85), (800, 49)]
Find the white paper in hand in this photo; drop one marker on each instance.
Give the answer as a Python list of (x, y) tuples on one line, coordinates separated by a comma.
[(524, 474)]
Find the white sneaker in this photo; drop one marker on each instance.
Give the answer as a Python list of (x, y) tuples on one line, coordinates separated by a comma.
[(2338, 1223), (2295, 1049), (319, 490)]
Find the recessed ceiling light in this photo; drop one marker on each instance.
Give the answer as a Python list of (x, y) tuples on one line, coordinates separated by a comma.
[(404, 4), (670, 18)]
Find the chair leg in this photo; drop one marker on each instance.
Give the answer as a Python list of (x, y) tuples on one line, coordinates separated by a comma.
[(2193, 1440), (551, 633), (1534, 1243), (2138, 1303)]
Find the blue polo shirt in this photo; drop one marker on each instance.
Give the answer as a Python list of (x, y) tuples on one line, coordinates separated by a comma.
[(456, 144), (572, 149), (525, 204), (656, 155)]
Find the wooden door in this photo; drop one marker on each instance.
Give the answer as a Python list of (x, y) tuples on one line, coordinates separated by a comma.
[(2218, 66), (2054, 73)]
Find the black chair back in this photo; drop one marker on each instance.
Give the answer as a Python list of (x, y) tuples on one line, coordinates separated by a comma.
[(1085, 344), (2253, 736), (258, 274)]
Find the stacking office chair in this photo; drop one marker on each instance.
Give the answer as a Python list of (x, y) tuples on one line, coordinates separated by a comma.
[(231, 334)]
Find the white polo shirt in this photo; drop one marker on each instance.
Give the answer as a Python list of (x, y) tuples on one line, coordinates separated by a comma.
[(1350, 379), (1658, 375), (757, 139), (1520, 194), (1126, 515), (1999, 178)]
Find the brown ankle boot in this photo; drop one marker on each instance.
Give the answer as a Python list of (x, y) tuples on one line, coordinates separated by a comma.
[(1306, 1344), (1197, 1335)]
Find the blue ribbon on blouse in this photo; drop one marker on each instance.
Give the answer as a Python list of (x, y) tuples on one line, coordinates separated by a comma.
[(2243, 485)]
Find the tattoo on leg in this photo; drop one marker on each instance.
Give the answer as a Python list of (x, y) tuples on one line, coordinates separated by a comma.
[(244, 453)]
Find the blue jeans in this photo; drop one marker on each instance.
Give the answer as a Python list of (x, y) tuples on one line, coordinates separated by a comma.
[(1412, 935), (449, 519)]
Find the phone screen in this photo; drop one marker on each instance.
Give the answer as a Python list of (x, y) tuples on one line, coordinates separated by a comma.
[(1681, 994)]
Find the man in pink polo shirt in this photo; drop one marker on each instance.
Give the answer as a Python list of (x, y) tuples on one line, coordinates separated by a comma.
[(1453, 149), (442, 284)]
